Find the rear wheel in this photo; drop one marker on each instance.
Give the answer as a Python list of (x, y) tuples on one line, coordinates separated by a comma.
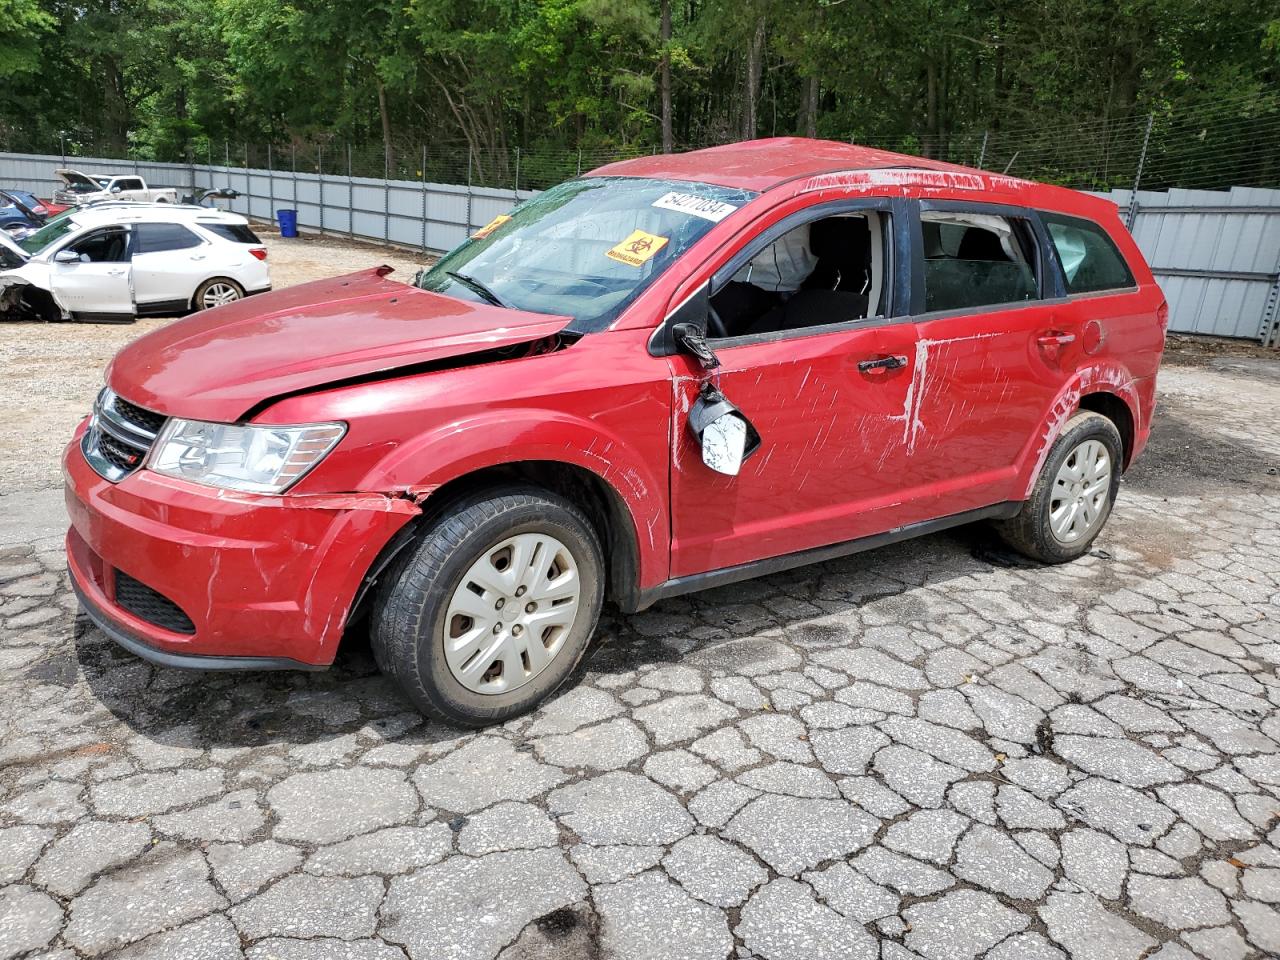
[(216, 293), (491, 611), (1073, 495)]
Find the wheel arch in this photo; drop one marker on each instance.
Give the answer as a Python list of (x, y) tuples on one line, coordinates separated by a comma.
[(1116, 409), (604, 506)]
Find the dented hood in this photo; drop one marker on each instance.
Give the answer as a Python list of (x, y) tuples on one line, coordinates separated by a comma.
[(219, 364)]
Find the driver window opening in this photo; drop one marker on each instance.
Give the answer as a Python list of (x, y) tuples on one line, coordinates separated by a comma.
[(103, 246), (827, 271)]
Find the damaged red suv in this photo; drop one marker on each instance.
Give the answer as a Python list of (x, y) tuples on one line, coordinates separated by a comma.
[(672, 373)]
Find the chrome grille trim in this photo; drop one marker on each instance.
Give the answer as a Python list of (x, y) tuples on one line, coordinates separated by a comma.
[(115, 445)]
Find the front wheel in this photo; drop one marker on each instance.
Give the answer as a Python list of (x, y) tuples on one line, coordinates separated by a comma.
[(1072, 497), (216, 293), (492, 609)]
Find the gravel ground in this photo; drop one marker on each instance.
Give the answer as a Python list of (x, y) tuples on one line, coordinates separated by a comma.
[(934, 751), (53, 371)]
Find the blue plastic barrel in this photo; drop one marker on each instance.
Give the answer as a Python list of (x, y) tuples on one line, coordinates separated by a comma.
[(288, 222)]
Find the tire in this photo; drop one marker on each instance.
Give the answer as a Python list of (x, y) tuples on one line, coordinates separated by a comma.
[(1032, 532), (202, 295), (432, 591)]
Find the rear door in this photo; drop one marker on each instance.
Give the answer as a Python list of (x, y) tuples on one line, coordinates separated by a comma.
[(98, 284), (997, 344), (169, 260)]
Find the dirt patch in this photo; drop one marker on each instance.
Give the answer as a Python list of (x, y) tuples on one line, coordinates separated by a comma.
[(1180, 348), (53, 371)]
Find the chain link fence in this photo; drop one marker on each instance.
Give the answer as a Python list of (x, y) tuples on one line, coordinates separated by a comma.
[(1214, 146)]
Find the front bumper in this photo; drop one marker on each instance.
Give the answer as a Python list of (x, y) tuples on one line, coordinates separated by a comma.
[(265, 582)]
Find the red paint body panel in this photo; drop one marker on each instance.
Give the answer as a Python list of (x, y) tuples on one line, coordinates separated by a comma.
[(219, 365), (966, 423), (257, 576)]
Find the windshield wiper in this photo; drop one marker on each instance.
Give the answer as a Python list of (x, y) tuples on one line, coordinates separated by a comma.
[(475, 286)]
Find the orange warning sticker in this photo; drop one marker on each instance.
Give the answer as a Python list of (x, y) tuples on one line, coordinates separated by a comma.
[(637, 248), (491, 226)]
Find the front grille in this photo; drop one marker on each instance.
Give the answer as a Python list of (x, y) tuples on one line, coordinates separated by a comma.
[(119, 436), (150, 605)]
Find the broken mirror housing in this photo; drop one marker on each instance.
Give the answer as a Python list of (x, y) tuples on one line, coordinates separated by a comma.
[(727, 438)]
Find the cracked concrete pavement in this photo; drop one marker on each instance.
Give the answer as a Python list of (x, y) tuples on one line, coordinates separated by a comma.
[(933, 751)]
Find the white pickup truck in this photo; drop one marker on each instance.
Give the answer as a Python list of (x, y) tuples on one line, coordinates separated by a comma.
[(80, 188)]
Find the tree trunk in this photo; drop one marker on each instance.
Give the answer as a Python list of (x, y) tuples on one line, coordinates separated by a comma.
[(664, 77), (386, 126), (755, 63), (811, 92), (931, 108)]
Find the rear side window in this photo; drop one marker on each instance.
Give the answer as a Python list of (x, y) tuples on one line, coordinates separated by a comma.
[(235, 232), (156, 237), (976, 260), (1089, 258)]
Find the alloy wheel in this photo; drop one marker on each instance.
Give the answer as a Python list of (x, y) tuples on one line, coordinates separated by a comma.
[(511, 612), (219, 294)]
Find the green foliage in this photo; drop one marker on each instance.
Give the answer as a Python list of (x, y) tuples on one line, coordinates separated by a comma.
[(173, 79)]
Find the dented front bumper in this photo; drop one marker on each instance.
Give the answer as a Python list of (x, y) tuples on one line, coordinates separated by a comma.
[(267, 578)]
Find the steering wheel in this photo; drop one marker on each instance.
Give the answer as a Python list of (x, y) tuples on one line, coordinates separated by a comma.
[(715, 325)]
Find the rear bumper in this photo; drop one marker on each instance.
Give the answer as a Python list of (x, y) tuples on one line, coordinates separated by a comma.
[(264, 582)]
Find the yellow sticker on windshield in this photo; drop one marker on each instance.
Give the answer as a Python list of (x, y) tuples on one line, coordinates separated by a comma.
[(637, 248), (491, 226)]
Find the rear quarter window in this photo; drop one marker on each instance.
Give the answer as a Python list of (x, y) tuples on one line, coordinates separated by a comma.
[(1090, 259), (235, 232)]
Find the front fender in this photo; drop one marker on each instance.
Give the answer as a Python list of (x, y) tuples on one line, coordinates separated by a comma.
[(1104, 377), (422, 465)]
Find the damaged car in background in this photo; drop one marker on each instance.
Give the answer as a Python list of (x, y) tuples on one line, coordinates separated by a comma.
[(115, 262), (672, 373), (80, 189)]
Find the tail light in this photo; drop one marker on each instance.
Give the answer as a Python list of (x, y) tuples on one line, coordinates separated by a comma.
[(259, 252), (1162, 315)]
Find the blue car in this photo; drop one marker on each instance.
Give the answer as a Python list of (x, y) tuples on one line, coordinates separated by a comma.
[(21, 212)]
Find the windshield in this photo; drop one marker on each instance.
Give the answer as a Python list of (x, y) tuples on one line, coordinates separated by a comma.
[(585, 248), (54, 230)]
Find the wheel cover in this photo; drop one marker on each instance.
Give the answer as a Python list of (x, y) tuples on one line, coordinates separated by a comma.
[(511, 613), (218, 294), (1078, 500)]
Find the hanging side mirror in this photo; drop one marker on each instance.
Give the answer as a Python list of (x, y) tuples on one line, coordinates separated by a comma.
[(726, 436)]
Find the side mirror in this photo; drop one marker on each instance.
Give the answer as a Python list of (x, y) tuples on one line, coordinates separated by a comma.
[(726, 436), (116, 190), (67, 256), (692, 339)]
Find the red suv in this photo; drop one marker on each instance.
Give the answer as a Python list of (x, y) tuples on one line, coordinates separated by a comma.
[(672, 373)]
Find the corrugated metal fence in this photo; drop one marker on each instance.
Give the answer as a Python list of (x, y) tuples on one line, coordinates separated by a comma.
[(1215, 253), (430, 216)]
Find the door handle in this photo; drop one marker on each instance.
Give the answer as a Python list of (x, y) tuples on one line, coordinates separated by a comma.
[(1053, 342), (197, 256), (116, 273), (882, 363), (1055, 338)]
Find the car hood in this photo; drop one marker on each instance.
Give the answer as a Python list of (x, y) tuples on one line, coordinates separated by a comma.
[(74, 178), (220, 364)]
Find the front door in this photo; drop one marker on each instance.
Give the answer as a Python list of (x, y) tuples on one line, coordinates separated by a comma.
[(98, 284), (810, 352)]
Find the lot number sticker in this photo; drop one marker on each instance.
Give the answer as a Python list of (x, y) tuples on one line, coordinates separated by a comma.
[(707, 209), (491, 226), (637, 248)]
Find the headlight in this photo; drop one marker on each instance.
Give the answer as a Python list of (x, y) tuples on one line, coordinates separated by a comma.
[(253, 458)]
